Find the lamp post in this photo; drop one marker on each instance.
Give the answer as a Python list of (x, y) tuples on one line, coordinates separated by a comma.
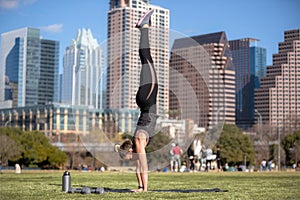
[(6, 123), (259, 121), (217, 115), (245, 160), (278, 132)]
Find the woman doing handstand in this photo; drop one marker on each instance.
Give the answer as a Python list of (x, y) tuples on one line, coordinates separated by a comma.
[(146, 100)]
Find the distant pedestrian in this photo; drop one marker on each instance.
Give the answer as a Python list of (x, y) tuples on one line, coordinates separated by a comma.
[(183, 167), (263, 165), (294, 166), (190, 153), (172, 157), (208, 159), (177, 154), (203, 156), (226, 167), (18, 168), (218, 158), (197, 152), (270, 165), (298, 166)]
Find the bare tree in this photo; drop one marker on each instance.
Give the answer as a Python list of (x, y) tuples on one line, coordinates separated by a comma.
[(8, 149), (296, 152)]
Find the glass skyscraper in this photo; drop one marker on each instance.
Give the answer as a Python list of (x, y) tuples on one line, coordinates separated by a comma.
[(30, 67), (258, 62), (249, 63)]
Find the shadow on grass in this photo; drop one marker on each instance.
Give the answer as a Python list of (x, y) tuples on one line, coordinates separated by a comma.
[(170, 190)]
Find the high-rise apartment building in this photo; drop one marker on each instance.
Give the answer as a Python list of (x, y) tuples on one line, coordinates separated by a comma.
[(203, 63), (279, 95), (29, 66), (83, 66), (249, 63), (123, 58)]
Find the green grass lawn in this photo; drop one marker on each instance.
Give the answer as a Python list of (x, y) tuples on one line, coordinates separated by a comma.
[(47, 185)]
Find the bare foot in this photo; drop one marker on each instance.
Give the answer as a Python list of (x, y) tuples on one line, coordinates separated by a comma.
[(138, 190)]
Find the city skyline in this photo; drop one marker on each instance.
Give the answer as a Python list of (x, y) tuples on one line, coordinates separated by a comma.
[(275, 103), (265, 20)]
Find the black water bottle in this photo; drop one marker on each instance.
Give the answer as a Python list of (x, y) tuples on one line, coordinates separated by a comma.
[(66, 181)]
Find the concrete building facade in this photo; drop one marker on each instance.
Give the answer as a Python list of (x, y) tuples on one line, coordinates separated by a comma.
[(204, 62), (279, 95)]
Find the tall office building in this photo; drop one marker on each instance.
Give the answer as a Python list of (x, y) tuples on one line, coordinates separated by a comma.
[(60, 87), (258, 63), (123, 58), (30, 67), (204, 63), (49, 75), (81, 79), (249, 63), (279, 95)]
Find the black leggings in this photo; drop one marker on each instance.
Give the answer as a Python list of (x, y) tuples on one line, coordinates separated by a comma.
[(147, 92), (146, 95)]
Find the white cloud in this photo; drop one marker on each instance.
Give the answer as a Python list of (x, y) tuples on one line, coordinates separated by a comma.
[(12, 4), (9, 4), (53, 28)]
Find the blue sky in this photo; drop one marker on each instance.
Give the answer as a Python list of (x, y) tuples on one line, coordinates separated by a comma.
[(60, 19)]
